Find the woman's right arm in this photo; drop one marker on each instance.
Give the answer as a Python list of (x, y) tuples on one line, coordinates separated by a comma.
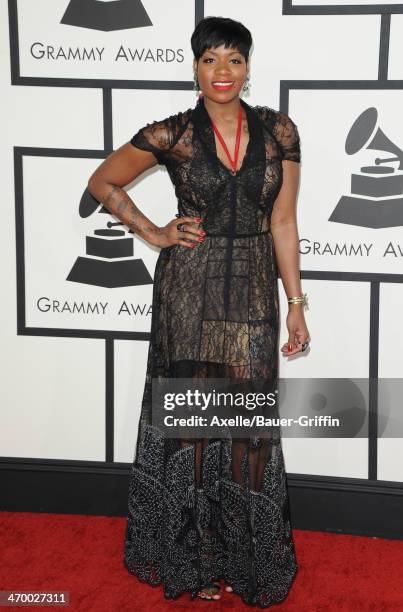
[(106, 185)]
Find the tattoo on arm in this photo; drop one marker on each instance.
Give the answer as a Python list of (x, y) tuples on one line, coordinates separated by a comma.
[(110, 195), (120, 204)]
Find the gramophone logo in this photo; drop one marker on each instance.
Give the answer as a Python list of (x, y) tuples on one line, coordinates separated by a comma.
[(106, 15), (376, 198), (109, 258)]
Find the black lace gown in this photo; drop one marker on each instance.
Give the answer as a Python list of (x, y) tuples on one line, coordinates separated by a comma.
[(210, 508)]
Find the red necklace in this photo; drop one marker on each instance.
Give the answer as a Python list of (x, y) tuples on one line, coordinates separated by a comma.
[(233, 162)]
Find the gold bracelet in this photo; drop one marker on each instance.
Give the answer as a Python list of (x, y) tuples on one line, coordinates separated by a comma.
[(301, 299)]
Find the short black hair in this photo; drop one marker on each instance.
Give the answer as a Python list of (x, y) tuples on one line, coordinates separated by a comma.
[(213, 32)]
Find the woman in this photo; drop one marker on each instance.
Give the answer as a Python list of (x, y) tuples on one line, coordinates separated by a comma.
[(205, 509)]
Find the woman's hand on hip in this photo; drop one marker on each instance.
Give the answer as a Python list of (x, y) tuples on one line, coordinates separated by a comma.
[(169, 234)]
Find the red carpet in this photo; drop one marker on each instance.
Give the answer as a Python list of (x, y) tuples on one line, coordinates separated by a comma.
[(83, 554)]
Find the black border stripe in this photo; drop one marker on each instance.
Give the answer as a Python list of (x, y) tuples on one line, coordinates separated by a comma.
[(384, 40), (342, 85), (19, 240), (108, 121), (361, 277), (109, 399), (340, 483), (50, 152), (199, 11), (340, 9), (99, 83), (14, 38), (320, 503), (373, 382), (82, 333)]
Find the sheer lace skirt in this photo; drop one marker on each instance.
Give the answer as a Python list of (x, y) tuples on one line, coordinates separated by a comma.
[(204, 509)]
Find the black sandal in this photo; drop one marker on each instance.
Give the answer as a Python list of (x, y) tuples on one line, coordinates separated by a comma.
[(210, 596)]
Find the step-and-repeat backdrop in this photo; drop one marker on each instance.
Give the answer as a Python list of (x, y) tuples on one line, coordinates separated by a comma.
[(78, 80)]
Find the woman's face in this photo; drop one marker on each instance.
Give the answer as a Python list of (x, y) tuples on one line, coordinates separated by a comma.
[(221, 73)]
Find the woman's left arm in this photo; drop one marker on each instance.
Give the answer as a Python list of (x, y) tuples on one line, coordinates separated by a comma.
[(286, 243)]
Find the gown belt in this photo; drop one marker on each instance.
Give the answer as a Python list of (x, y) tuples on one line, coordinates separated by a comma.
[(237, 235)]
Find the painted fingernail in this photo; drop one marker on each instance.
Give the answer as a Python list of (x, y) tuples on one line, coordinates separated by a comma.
[(289, 347)]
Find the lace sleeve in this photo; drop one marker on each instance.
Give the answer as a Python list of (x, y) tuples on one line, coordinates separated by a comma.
[(286, 133), (160, 136)]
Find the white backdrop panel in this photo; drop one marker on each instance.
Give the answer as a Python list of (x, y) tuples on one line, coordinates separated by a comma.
[(45, 116), (130, 371), (390, 459), (338, 322), (54, 226), (325, 119), (54, 117), (395, 66), (390, 330), (338, 325), (53, 398), (390, 450), (161, 51), (343, 457)]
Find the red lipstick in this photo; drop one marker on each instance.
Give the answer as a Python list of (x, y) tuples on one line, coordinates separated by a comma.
[(222, 85)]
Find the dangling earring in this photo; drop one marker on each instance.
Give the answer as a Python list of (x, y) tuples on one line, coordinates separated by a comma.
[(246, 85), (196, 85)]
